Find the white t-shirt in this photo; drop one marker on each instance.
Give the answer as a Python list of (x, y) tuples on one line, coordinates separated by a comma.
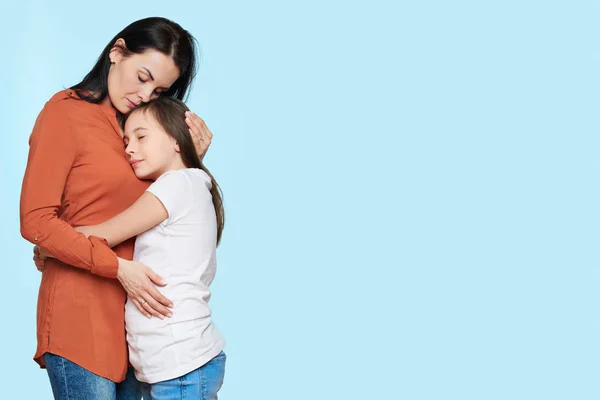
[(181, 249)]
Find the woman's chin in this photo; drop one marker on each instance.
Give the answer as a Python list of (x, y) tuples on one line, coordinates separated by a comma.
[(123, 109)]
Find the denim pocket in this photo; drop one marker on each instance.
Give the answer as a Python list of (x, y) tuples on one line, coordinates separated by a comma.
[(218, 359), (211, 376)]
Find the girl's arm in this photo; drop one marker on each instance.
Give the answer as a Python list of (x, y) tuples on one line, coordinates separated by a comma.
[(145, 213)]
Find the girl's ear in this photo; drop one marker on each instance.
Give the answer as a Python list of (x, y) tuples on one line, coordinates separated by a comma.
[(175, 145)]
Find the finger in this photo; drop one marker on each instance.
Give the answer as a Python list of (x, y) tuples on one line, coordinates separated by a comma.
[(198, 126), (207, 136), (197, 133), (38, 260), (155, 294), (140, 307), (194, 120), (42, 254), (155, 278), (155, 308), (197, 139), (160, 298), (202, 127), (150, 310), (192, 124), (200, 144), (209, 133)]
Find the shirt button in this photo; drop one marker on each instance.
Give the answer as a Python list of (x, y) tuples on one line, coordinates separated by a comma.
[(35, 239)]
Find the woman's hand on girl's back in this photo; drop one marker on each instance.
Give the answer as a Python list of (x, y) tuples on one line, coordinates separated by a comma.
[(140, 282), (201, 135)]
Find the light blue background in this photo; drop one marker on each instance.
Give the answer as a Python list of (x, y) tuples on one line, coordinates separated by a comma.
[(411, 190)]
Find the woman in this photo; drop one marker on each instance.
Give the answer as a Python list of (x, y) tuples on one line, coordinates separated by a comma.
[(77, 174)]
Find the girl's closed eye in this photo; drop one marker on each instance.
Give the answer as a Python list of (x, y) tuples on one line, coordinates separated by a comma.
[(141, 80)]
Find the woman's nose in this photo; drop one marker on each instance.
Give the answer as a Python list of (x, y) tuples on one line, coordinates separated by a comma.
[(145, 95)]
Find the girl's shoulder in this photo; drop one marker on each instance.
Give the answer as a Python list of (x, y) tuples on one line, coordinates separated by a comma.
[(179, 190), (193, 175), (184, 179)]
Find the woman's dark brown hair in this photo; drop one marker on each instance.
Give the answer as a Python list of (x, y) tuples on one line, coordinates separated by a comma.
[(154, 33), (170, 114)]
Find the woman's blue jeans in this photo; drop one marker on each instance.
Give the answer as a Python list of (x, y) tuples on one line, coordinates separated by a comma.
[(69, 381)]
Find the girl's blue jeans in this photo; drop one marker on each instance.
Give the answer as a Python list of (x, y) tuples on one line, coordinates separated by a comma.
[(200, 384)]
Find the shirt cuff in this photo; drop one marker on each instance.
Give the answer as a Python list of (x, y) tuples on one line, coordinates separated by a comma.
[(104, 260)]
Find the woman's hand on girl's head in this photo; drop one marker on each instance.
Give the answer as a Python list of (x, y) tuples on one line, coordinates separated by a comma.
[(201, 135), (140, 282)]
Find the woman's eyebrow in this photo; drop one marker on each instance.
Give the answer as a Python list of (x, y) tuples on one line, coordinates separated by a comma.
[(148, 72), (152, 78)]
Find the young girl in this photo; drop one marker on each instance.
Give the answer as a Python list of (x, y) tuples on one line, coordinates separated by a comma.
[(178, 223)]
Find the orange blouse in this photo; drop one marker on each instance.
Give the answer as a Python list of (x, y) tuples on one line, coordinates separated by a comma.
[(77, 174)]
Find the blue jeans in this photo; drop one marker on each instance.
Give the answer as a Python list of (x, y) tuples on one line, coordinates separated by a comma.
[(69, 381), (200, 384)]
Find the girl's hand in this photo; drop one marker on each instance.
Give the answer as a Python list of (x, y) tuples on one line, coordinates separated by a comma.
[(201, 135), (139, 282), (39, 256)]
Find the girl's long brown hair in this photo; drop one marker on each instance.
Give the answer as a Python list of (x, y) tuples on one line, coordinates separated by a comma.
[(170, 114)]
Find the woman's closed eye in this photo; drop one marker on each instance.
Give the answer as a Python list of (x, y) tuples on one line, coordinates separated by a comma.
[(142, 80)]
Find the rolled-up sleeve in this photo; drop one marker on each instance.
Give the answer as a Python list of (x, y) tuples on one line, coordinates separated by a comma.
[(52, 152)]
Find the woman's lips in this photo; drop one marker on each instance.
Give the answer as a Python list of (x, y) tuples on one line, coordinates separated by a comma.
[(131, 104)]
